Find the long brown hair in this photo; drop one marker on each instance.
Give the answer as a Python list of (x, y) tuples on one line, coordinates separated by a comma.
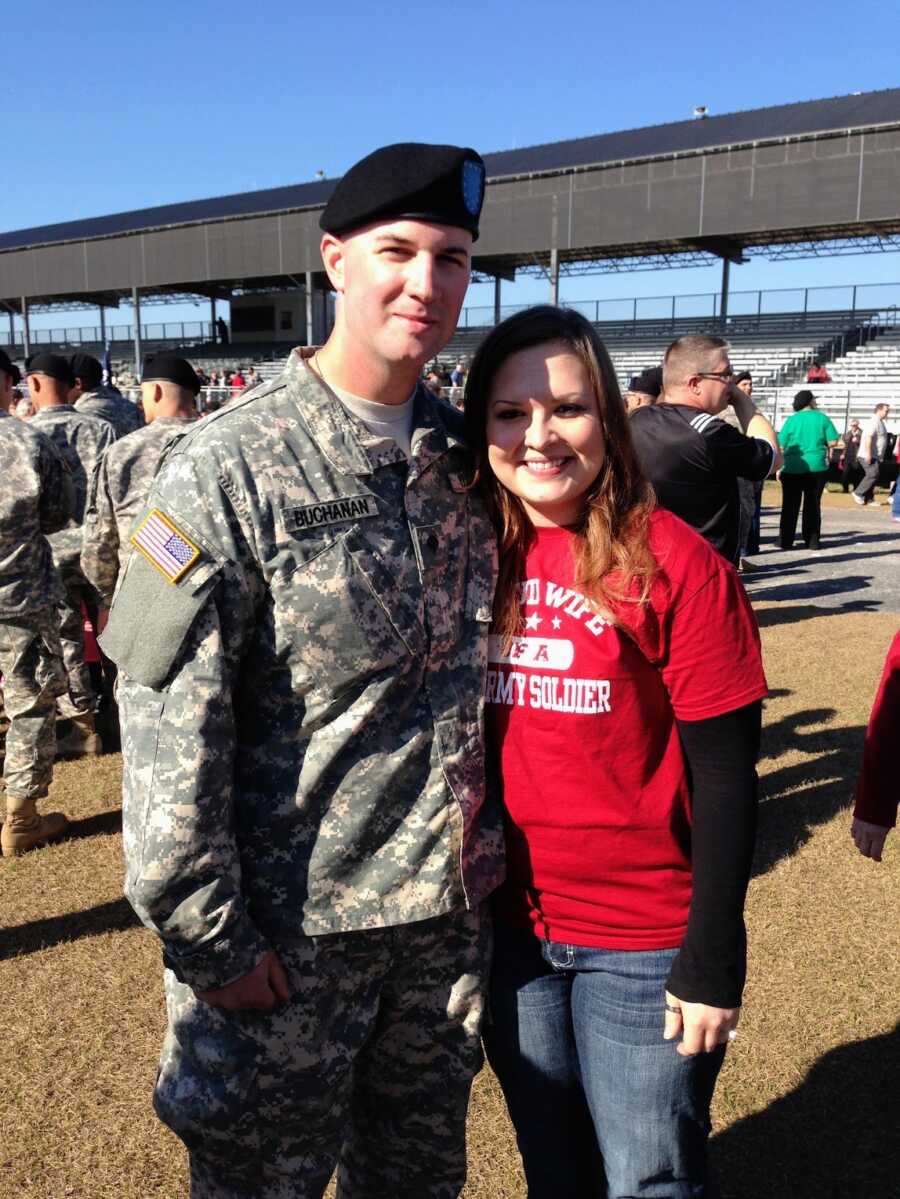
[(613, 562)]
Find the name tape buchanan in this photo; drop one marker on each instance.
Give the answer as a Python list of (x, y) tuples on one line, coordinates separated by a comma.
[(330, 512)]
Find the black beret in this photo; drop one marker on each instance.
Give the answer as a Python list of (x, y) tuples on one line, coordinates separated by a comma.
[(87, 368), (648, 382), (53, 365), (10, 368), (169, 368), (443, 185)]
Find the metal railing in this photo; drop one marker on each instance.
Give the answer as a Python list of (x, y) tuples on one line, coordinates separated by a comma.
[(869, 301), (760, 303), (176, 332)]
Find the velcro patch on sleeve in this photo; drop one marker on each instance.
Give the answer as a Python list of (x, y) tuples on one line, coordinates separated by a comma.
[(165, 546)]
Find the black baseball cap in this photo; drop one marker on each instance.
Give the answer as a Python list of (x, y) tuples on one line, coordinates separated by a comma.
[(648, 382)]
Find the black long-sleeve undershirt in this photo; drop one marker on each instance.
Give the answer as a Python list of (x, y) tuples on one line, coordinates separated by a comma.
[(721, 755)]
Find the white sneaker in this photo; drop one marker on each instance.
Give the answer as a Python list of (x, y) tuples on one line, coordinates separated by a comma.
[(857, 500)]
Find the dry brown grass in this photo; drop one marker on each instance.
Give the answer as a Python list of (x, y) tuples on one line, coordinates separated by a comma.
[(807, 1100)]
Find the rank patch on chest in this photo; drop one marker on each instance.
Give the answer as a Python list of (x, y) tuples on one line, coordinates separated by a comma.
[(329, 512), (165, 546)]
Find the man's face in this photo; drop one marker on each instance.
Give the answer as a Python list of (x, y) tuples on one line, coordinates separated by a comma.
[(715, 382), (402, 285), (746, 386)]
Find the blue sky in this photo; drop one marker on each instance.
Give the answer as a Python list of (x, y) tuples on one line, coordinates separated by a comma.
[(149, 104)]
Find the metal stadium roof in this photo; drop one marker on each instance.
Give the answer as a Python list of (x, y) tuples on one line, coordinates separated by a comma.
[(863, 111)]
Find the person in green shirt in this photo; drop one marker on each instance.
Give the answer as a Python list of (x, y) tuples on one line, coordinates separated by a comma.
[(805, 439)]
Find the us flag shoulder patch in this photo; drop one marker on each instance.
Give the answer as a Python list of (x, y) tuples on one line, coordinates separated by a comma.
[(165, 546)]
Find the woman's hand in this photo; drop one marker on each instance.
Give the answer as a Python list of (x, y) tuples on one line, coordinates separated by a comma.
[(869, 838), (702, 1027)]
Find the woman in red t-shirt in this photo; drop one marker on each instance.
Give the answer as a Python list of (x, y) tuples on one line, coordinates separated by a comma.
[(623, 711)]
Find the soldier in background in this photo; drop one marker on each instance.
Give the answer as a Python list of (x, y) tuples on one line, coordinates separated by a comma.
[(301, 637), (92, 396), (644, 389), (80, 440), (36, 499), (124, 473)]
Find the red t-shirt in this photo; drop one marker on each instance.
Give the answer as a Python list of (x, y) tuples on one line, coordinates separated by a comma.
[(581, 717)]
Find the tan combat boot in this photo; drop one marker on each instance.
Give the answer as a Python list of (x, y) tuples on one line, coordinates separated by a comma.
[(81, 740), (24, 829)]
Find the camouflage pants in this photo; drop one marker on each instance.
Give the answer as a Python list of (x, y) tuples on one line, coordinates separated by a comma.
[(80, 696), (33, 676), (368, 1066)]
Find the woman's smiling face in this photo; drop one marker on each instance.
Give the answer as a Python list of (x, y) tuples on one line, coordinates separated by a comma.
[(544, 437)]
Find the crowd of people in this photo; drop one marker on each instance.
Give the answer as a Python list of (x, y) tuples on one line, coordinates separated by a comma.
[(712, 465), (439, 727)]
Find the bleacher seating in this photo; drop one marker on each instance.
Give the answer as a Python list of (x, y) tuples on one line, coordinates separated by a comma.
[(774, 347), (776, 353), (770, 362), (876, 362)]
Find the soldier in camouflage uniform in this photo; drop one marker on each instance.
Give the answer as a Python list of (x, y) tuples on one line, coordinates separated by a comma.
[(301, 640), (123, 474), (92, 397), (80, 439), (36, 499)]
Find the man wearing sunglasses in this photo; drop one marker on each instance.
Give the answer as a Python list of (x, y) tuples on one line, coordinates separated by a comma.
[(694, 458)]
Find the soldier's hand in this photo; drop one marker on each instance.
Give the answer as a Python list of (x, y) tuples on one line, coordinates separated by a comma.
[(260, 991)]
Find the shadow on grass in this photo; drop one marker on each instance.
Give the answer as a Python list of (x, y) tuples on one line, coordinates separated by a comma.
[(812, 588), (113, 917), (797, 798), (834, 1137), (103, 824), (770, 570), (791, 613)]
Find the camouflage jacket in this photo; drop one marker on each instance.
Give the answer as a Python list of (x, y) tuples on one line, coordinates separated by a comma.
[(301, 638), (106, 403), (80, 440), (117, 493), (36, 498)]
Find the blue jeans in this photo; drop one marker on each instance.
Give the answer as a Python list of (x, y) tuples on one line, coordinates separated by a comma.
[(895, 502), (602, 1106)]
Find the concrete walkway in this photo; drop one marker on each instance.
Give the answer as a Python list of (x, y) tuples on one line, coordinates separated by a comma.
[(857, 568)]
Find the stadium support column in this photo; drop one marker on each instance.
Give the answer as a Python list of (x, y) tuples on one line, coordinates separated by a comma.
[(723, 304), (26, 330), (214, 335), (554, 276), (102, 327), (497, 286), (12, 332), (136, 305)]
